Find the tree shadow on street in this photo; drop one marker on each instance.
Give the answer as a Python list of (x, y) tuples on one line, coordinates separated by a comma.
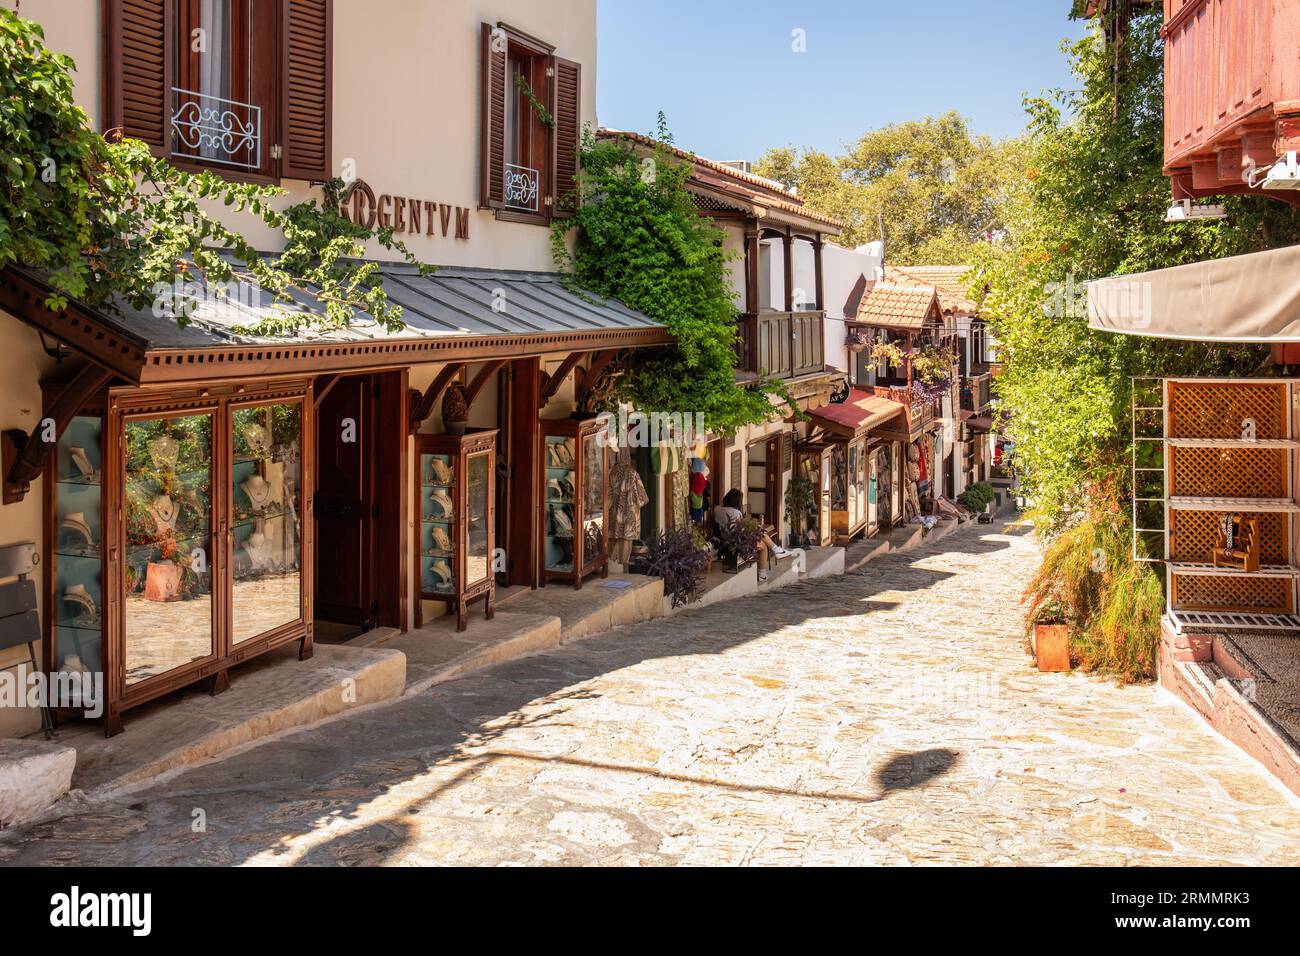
[(327, 778)]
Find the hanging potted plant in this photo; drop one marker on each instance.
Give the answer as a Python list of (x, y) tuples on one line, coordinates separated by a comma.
[(856, 342), (455, 410)]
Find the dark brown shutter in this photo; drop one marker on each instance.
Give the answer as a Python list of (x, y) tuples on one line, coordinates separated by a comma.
[(138, 70), (567, 111), (492, 123), (306, 27)]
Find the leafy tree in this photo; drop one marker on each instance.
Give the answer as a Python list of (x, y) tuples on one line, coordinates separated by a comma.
[(936, 190), (109, 222), (640, 239), (1091, 203)]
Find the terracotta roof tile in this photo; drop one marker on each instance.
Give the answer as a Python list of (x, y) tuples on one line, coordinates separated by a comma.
[(948, 281), (898, 306), (753, 189)]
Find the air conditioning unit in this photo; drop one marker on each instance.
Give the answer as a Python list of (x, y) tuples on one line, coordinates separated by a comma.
[(1184, 211), (1284, 174)]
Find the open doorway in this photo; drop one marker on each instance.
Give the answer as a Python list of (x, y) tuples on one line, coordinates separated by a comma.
[(360, 494)]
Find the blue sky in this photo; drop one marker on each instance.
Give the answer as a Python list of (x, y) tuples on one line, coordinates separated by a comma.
[(726, 76)]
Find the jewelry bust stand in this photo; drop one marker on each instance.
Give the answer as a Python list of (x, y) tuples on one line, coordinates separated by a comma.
[(455, 500), (573, 499)]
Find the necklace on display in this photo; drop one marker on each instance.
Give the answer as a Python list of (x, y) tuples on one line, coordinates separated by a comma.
[(163, 451), (164, 511), (258, 491)]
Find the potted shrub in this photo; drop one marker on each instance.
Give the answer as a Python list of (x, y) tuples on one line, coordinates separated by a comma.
[(682, 559), (1051, 636), (738, 543), (798, 503), (455, 410)]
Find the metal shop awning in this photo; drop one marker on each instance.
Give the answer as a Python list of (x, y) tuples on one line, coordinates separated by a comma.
[(456, 313), (857, 415), (1250, 298)]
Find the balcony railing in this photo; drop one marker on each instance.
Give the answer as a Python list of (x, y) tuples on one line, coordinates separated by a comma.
[(920, 411), (217, 130), (522, 187), (975, 392), (781, 344)]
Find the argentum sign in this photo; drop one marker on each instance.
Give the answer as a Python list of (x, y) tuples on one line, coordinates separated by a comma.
[(403, 214)]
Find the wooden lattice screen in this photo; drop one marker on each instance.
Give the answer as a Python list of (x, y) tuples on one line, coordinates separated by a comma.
[(1192, 534), (1208, 592), (1216, 409), (1228, 472)]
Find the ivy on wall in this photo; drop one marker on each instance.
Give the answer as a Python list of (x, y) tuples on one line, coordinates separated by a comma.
[(108, 222), (640, 239)]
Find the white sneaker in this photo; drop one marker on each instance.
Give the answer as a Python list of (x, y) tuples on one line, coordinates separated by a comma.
[(780, 552)]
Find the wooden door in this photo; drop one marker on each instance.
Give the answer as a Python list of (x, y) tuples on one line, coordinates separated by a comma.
[(345, 506)]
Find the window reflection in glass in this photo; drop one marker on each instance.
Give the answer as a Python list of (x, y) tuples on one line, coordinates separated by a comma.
[(476, 519), (265, 521), (593, 502), (168, 566)]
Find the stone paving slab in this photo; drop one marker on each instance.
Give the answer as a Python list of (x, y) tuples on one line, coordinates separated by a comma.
[(270, 694), (888, 717)]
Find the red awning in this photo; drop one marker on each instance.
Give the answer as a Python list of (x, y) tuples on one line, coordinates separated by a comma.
[(860, 413)]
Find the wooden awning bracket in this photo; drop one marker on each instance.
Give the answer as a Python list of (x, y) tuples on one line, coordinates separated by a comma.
[(422, 403), (27, 455), (486, 372), (600, 361), (553, 381)]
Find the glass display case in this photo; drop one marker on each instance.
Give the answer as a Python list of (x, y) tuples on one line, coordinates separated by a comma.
[(815, 465), (575, 470), (455, 501), (850, 504), (75, 565), (177, 540)]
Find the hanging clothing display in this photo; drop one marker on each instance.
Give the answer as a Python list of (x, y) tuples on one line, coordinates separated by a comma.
[(627, 496), (699, 485)]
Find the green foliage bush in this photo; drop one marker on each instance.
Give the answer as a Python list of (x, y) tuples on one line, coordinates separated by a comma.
[(977, 497), (1091, 203), (639, 239), (105, 219)]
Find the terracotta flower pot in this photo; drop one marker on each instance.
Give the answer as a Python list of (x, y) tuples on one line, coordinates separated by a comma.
[(1052, 647)]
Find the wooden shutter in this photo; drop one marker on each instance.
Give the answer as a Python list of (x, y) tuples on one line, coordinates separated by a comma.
[(567, 111), (138, 71), (306, 40), (492, 123)]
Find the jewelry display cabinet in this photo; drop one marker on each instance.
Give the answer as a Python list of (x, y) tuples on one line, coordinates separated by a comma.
[(575, 472), (815, 465), (74, 569), (456, 501), (179, 526), (849, 491)]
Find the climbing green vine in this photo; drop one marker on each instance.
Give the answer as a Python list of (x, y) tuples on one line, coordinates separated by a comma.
[(107, 222), (640, 239), (541, 112)]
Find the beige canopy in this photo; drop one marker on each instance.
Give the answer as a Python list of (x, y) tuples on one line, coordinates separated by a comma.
[(1250, 298)]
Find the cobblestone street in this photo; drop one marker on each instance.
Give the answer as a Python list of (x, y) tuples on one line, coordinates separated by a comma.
[(885, 717)]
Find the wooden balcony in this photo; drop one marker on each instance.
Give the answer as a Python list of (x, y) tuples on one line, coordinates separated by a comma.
[(976, 392), (781, 344), (920, 411), (1232, 91)]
